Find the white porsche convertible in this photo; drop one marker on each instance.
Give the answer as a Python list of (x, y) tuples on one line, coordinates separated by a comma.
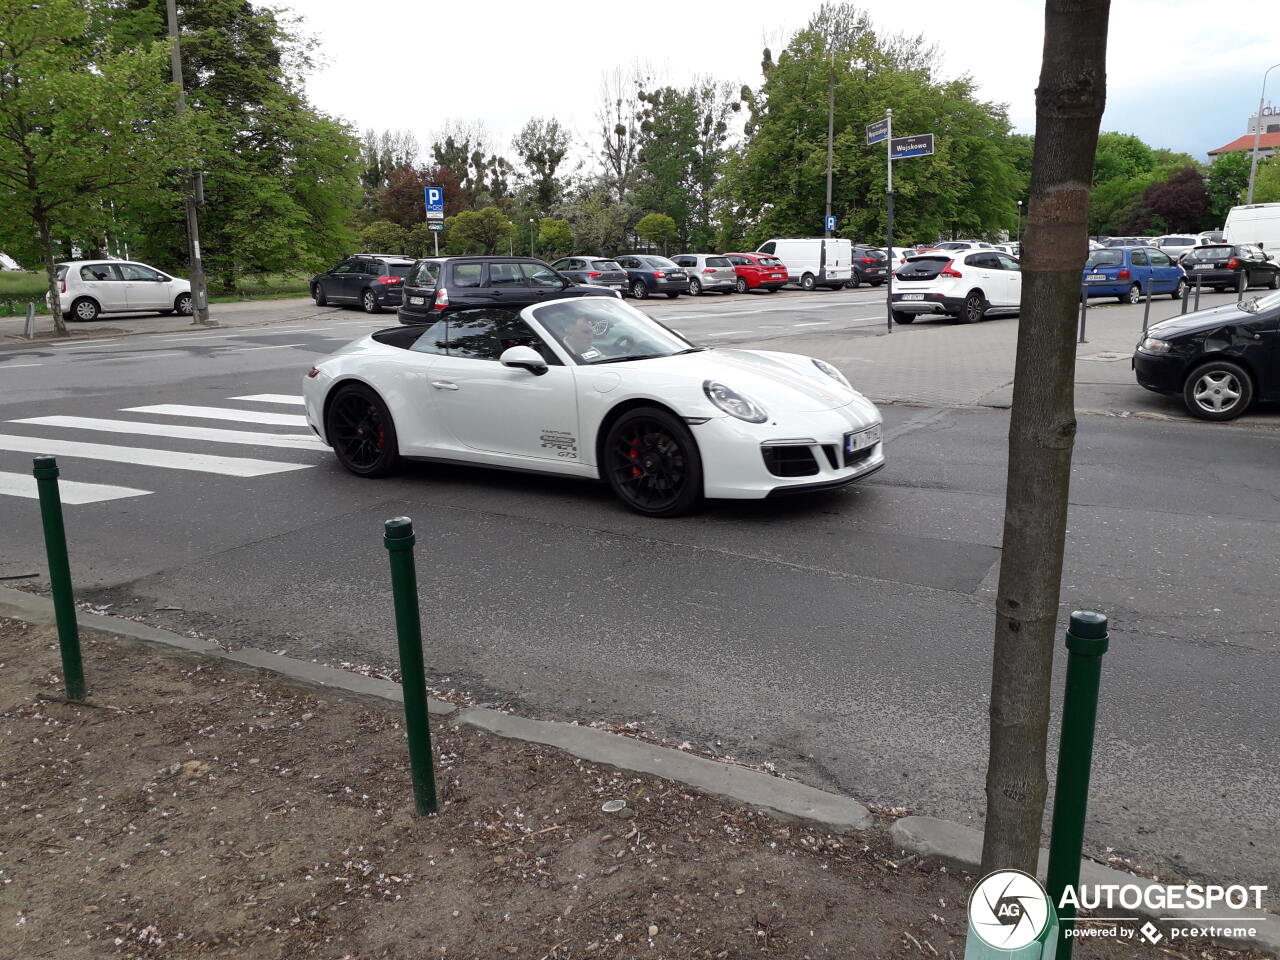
[(592, 387)]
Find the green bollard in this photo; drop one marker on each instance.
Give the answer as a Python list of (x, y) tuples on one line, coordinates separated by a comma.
[(64, 603), (399, 540), (1086, 643)]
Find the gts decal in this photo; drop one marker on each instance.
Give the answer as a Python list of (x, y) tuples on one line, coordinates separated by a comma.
[(564, 443)]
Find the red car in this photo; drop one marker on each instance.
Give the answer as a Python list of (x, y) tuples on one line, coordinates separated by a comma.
[(758, 270)]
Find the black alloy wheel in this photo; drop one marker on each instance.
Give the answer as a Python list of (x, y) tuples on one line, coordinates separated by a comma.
[(639, 290), (975, 308), (854, 282), (317, 294), (369, 302), (651, 461), (741, 285), (361, 432)]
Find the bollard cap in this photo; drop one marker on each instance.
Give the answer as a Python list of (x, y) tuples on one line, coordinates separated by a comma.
[(45, 467), (398, 533), (1087, 633)]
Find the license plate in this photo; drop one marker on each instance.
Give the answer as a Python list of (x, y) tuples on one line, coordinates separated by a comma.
[(913, 296), (853, 442), (417, 301), (1204, 266), (1096, 276)]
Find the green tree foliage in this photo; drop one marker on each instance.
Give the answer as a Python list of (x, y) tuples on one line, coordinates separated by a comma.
[(478, 231), (555, 237), (777, 187), (542, 146), (1121, 156), (1266, 186), (419, 242), (1179, 203), (281, 178), (619, 117), (403, 199), (383, 153), (81, 126), (599, 221), (484, 176), (383, 236), (1226, 184), (657, 228)]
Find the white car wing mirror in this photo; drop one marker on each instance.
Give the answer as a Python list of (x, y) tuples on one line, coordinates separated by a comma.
[(524, 358)]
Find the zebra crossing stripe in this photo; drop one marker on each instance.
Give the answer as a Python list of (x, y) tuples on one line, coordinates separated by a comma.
[(272, 398), (289, 441), (71, 491), (222, 413), (173, 460)]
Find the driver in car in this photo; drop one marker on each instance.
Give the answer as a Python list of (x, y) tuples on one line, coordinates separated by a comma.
[(577, 332)]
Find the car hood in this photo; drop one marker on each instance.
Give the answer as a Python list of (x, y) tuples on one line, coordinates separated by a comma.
[(777, 381), (1201, 320)]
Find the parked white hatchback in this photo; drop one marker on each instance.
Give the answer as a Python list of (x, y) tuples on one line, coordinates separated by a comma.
[(90, 288), (966, 284)]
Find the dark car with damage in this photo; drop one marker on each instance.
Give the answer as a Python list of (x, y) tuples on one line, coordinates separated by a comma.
[(1218, 360)]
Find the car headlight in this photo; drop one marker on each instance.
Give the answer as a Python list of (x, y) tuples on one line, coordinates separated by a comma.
[(1152, 345), (734, 403), (832, 372)]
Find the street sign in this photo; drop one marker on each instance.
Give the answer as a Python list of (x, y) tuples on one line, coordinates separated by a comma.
[(435, 202), (831, 223), (920, 145), (877, 131), (434, 225)]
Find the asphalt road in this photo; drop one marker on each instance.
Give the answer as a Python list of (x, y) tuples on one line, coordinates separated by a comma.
[(843, 637)]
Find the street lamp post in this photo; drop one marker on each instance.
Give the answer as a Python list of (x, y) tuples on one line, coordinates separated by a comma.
[(531, 235), (1019, 233), (1257, 132)]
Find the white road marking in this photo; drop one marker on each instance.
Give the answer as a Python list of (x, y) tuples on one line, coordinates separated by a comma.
[(199, 462), (15, 366), (143, 355), (274, 346), (70, 491), (222, 413), (814, 323), (272, 398), (290, 441), (725, 333)]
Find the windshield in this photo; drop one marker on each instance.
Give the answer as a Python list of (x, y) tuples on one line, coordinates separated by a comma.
[(769, 261), (953, 245), (1105, 258), (1261, 303), (1211, 253), (662, 262), (604, 330), (605, 265)]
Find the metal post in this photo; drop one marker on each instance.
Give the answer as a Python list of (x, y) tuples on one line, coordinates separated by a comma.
[(64, 603), (29, 328), (1084, 308), (1019, 236), (1086, 643), (1146, 309), (1257, 133), (399, 539), (888, 162), (1242, 284), (1186, 296), (531, 235), (195, 186), (435, 241), (1199, 281)]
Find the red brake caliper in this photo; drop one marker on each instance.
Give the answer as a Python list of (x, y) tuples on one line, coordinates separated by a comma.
[(634, 454), (382, 434)]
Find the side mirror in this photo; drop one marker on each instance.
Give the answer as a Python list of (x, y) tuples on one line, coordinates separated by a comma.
[(525, 358)]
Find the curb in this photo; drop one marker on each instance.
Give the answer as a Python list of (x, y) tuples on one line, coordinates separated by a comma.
[(749, 787), (961, 847)]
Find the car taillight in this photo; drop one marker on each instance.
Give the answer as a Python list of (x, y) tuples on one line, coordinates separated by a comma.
[(658, 274), (708, 269), (1122, 275), (866, 260), (391, 280), (948, 272), (442, 299), (1233, 264), (313, 372), (64, 284), (593, 273)]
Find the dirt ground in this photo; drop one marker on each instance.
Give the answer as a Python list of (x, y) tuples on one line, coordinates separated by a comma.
[(199, 809)]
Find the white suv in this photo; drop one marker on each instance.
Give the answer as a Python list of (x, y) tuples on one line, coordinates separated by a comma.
[(969, 285), (90, 288)]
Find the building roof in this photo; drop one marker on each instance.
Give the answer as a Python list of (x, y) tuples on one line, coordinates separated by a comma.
[(1269, 141)]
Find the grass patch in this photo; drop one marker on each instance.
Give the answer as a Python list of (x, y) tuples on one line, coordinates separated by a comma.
[(268, 286), (18, 288)]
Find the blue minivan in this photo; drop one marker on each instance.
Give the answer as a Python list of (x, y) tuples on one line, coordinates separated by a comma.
[(1130, 273)]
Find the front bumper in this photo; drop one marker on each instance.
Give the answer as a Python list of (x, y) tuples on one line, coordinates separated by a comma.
[(1160, 374), (733, 452)]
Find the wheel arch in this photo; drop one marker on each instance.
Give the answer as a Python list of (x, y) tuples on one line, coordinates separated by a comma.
[(616, 411), (348, 380), (84, 296), (1222, 356)]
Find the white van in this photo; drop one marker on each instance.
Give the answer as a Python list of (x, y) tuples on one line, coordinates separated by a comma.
[(804, 261), (1255, 223)]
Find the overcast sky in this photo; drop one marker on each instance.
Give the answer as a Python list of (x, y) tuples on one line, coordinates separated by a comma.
[(1177, 77)]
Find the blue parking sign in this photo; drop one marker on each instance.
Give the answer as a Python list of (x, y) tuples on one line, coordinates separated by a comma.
[(435, 202), (831, 223)]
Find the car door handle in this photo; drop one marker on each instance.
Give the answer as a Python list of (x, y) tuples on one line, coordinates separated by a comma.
[(444, 385)]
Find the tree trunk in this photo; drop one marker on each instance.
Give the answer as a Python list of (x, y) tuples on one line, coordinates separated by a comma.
[(41, 218), (1069, 104)]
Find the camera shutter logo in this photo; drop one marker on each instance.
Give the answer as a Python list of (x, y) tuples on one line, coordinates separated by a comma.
[(1008, 909)]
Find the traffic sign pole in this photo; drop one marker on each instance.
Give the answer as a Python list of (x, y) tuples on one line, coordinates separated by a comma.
[(888, 162)]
